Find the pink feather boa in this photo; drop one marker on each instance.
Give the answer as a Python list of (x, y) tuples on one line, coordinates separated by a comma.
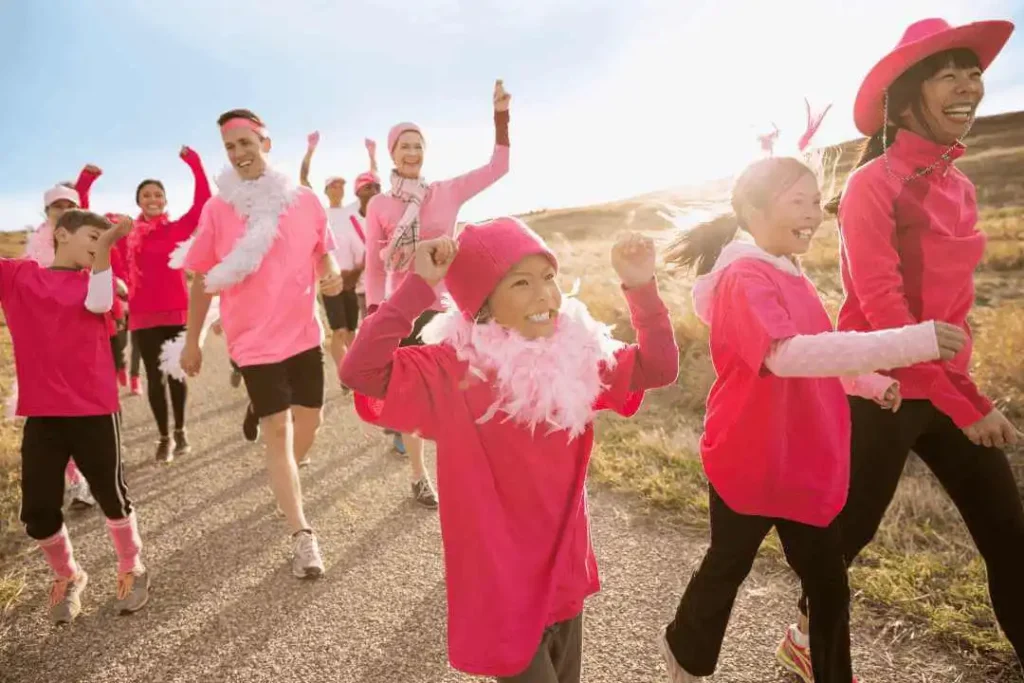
[(553, 381)]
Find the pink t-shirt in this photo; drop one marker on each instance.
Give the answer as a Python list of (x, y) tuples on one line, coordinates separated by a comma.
[(514, 519), (61, 349), (772, 446), (272, 314), (438, 213)]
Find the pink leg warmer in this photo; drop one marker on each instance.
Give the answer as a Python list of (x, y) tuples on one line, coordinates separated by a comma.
[(59, 554), (71, 473), (125, 535)]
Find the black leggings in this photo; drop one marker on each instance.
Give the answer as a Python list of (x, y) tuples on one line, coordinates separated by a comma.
[(815, 554), (136, 359), (978, 480), (47, 445), (150, 342)]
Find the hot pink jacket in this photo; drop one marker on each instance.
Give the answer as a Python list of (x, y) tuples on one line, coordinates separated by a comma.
[(158, 294), (514, 519), (908, 254), (438, 214)]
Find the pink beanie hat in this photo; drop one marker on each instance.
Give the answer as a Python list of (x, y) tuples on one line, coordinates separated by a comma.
[(364, 179), (58, 192), (486, 253), (397, 131)]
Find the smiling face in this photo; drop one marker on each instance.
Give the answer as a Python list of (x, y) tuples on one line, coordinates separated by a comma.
[(152, 200), (246, 151), (77, 248), (938, 97), (527, 299), (787, 226), (408, 154)]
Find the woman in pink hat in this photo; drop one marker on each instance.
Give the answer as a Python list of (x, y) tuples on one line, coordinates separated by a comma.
[(158, 296), (910, 247), (414, 210), (508, 387)]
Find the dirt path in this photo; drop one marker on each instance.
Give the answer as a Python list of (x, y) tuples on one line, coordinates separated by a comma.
[(225, 607)]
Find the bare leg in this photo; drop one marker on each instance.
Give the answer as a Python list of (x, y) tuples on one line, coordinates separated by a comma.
[(414, 447), (340, 341), (278, 436), (307, 421)]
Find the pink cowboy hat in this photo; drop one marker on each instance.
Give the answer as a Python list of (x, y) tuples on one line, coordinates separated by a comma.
[(920, 40)]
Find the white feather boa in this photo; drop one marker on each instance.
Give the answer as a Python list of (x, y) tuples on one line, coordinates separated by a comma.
[(553, 381), (261, 202), (170, 352)]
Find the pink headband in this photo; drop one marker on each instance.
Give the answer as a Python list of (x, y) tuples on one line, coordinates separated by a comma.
[(239, 122), (333, 179)]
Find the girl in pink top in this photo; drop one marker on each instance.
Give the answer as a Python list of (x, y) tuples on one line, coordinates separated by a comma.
[(158, 296), (908, 219), (776, 441), (508, 386), (414, 210)]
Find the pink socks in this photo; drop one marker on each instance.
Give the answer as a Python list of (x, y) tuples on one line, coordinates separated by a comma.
[(59, 554), (125, 535), (72, 474)]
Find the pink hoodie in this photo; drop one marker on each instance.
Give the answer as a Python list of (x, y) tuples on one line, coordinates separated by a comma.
[(158, 294)]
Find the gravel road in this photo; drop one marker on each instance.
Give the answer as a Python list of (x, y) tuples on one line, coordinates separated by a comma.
[(225, 607)]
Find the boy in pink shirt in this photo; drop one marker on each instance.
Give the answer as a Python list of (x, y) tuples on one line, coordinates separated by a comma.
[(776, 442), (414, 210), (69, 399), (508, 386), (262, 244)]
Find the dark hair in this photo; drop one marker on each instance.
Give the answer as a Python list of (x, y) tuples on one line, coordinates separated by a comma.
[(904, 93), (239, 114), (74, 219), (757, 187), (148, 181)]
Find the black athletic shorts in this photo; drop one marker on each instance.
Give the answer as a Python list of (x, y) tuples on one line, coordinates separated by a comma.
[(297, 381), (414, 337), (342, 311)]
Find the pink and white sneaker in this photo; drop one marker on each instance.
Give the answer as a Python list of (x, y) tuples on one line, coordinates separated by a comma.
[(796, 658)]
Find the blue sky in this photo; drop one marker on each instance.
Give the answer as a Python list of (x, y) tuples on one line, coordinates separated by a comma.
[(610, 98)]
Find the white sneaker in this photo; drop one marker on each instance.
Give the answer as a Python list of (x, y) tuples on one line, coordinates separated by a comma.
[(306, 561), (676, 673), (81, 496)]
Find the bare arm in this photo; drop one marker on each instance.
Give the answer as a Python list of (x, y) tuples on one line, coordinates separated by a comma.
[(313, 140), (198, 306)]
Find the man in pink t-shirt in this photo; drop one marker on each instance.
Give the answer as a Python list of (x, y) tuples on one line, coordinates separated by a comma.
[(261, 245)]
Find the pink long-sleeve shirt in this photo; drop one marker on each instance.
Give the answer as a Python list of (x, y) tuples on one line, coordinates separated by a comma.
[(438, 214), (157, 293), (514, 521), (908, 254)]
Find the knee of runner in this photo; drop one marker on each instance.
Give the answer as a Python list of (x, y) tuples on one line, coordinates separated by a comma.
[(42, 524)]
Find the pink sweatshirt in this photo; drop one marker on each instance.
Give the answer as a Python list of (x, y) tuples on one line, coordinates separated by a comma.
[(514, 520), (438, 214), (157, 293), (908, 254), (776, 439)]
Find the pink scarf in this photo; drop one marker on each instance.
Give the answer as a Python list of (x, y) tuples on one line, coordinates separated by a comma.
[(398, 254), (553, 381)]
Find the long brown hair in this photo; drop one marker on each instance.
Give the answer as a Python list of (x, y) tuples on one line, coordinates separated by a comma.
[(757, 187), (904, 93)]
